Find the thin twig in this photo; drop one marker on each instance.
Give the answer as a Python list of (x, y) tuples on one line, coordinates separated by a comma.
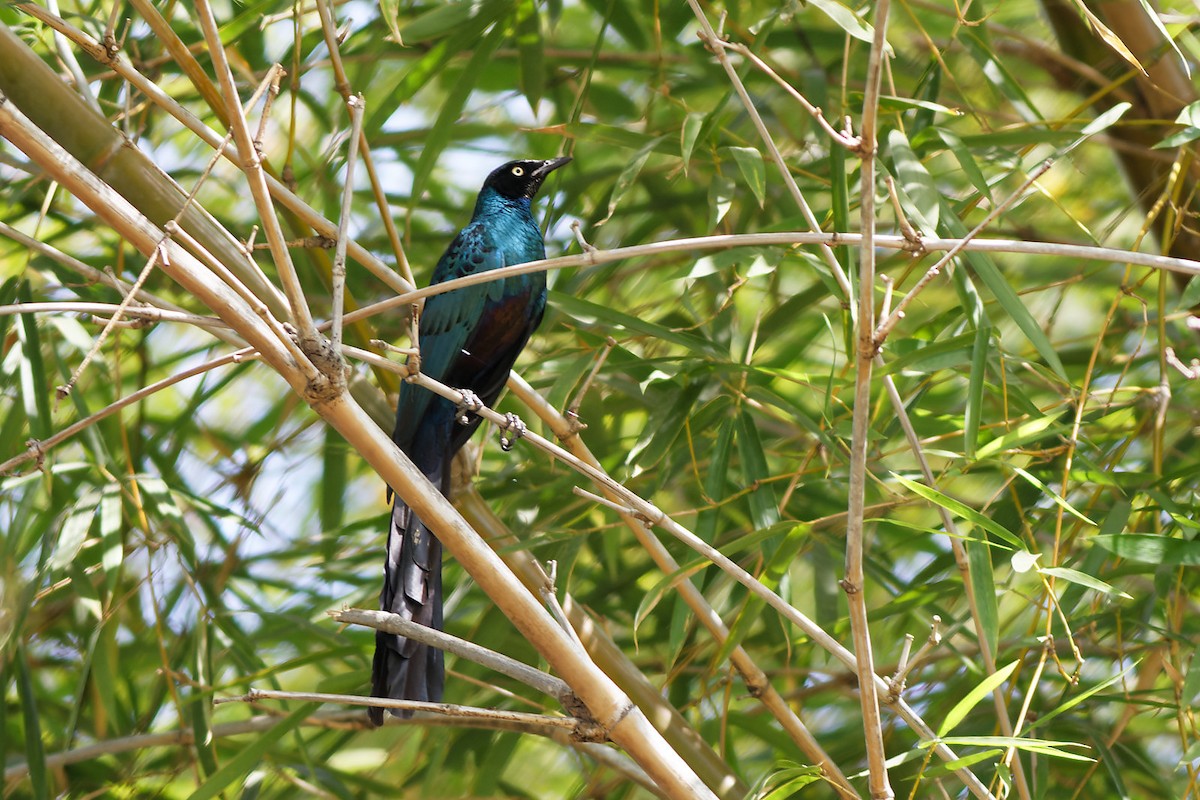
[(572, 411), (355, 105), (782, 239), (160, 253), (550, 598), (845, 140), (67, 56), (497, 662), (147, 313), (446, 709)]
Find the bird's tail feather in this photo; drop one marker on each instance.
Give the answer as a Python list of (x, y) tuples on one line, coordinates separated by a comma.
[(412, 587)]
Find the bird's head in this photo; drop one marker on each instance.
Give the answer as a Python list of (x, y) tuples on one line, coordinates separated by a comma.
[(518, 179)]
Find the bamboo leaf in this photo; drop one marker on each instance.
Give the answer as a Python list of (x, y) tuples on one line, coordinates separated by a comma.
[(961, 510), (628, 178), (249, 756), (918, 195), (754, 172), (973, 697), (1151, 549), (688, 134), (1083, 579)]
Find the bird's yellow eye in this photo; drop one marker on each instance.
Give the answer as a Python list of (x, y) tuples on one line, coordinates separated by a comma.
[(518, 171)]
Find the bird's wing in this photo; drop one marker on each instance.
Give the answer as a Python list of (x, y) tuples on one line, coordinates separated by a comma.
[(448, 320)]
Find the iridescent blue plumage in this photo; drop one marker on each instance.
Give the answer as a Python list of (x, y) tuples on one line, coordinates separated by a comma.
[(469, 339)]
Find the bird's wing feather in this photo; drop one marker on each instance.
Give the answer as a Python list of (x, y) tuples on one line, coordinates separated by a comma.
[(447, 320)]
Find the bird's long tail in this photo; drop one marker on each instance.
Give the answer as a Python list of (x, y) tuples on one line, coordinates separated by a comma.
[(412, 587)]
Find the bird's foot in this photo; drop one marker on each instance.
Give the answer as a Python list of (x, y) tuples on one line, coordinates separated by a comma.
[(470, 404), (511, 430), (412, 367)]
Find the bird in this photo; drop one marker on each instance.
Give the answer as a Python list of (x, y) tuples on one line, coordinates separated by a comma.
[(468, 339)]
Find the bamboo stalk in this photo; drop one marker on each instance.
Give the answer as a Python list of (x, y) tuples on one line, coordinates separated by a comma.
[(854, 582)]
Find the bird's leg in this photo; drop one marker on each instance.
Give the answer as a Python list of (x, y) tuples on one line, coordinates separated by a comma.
[(414, 327), (511, 430), (470, 404)]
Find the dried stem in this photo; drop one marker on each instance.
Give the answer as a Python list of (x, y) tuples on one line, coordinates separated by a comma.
[(497, 662), (843, 139), (338, 290), (579, 727)]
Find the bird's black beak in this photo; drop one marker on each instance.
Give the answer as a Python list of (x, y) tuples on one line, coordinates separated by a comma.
[(549, 166)]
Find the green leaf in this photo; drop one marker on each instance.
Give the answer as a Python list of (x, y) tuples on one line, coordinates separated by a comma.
[(1006, 296), (1071, 702), (763, 508), (74, 530), (715, 480), (1178, 139), (34, 393), (440, 20), (976, 382), (1190, 115), (982, 690), (35, 753), (982, 577), (961, 510), (786, 782), (845, 18), (113, 552), (252, 753), (584, 310), (1058, 501), (623, 16), (687, 137), (721, 191), (1151, 549), (965, 159), (628, 177), (919, 196), (1028, 432), (1040, 746), (1083, 579), (999, 76), (750, 162)]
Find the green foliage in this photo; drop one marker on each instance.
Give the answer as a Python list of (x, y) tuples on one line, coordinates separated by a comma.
[(188, 547)]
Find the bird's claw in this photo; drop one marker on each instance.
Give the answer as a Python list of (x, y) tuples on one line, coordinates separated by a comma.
[(470, 404), (511, 430)]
